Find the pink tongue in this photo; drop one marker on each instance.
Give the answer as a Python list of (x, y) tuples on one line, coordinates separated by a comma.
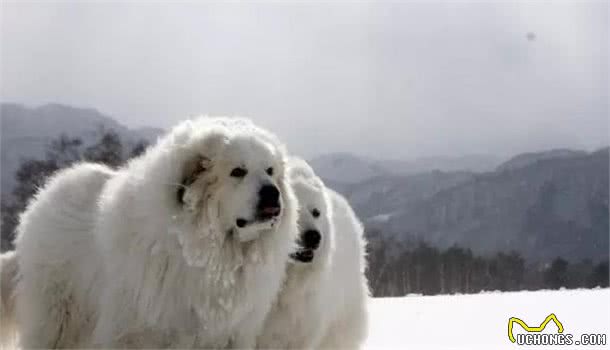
[(271, 210)]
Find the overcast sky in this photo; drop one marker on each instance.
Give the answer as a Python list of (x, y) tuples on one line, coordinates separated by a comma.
[(402, 79)]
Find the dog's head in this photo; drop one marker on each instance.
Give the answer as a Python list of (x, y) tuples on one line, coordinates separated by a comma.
[(316, 231), (237, 175), (224, 180)]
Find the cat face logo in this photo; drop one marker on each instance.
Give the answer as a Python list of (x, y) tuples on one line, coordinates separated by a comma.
[(534, 335), (527, 328)]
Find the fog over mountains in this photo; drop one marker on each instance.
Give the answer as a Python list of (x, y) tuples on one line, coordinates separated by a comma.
[(349, 168), (541, 204), (542, 209)]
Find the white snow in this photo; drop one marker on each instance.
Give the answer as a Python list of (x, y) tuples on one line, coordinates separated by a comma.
[(480, 321)]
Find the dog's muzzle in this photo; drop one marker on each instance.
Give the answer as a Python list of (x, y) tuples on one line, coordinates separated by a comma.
[(309, 241), (268, 205), (266, 216)]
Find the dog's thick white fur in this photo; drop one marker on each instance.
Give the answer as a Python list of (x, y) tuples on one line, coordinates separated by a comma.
[(58, 263), (323, 303), (150, 255)]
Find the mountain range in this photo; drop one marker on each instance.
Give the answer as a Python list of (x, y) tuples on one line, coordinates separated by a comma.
[(25, 133), (548, 207)]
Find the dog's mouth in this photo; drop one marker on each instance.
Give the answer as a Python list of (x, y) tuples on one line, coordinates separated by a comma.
[(268, 213), (267, 216), (303, 255), (247, 230)]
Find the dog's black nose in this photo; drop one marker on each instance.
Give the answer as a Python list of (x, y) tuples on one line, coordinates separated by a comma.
[(269, 195), (311, 239), (241, 223), (269, 201)]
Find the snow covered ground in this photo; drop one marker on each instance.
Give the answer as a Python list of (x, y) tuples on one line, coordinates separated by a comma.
[(480, 321)]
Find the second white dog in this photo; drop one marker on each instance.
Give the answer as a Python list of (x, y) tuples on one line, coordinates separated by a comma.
[(324, 300)]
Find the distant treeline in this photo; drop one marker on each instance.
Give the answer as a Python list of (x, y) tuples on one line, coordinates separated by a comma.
[(397, 269)]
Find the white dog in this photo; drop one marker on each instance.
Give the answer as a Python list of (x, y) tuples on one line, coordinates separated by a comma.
[(323, 303), (186, 246)]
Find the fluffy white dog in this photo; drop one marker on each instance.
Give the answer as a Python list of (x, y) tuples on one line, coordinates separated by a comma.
[(323, 303), (185, 246)]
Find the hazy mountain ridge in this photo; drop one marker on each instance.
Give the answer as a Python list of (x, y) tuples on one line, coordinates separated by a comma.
[(346, 168), (547, 207), (349, 168), (525, 159), (389, 194), (26, 132)]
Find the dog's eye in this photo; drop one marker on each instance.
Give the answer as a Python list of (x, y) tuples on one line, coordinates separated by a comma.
[(239, 172), (315, 212), (270, 171)]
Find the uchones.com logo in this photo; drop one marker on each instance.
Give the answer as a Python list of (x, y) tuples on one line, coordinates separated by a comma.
[(534, 335)]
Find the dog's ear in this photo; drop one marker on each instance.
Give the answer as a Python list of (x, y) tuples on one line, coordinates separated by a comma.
[(192, 169), (211, 147), (213, 144)]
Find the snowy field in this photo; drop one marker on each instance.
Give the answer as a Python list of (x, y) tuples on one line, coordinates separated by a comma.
[(480, 321)]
